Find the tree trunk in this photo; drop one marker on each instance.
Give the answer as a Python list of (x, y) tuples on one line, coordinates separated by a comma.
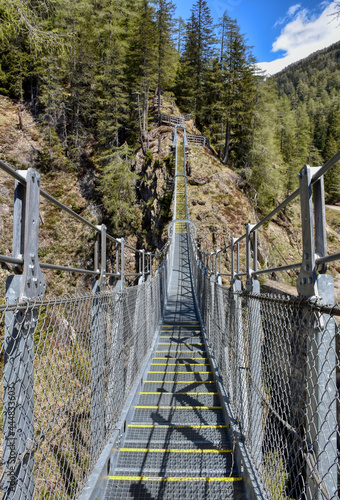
[(140, 125), (159, 99), (227, 142)]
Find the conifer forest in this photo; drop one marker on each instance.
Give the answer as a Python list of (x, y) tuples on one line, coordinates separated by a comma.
[(88, 69)]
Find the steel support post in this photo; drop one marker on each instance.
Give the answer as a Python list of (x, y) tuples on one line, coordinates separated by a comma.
[(122, 263), (321, 411), (143, 264), (147, 306), (255, 355), (96, 252), (137, 346), (211, 314), (98, 334), (150, 264), (238, 259), (102, 278), (239, 379), (18, 375), (232, 261), (117, 258)]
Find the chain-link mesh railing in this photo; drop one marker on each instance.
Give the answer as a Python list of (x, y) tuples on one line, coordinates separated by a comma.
[(278, 358), (67, 367)]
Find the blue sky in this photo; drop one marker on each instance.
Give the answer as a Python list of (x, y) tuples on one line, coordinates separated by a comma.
[(281, 32)]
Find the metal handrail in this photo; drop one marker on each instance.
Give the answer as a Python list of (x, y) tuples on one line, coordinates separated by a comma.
[(327, 166), (13, 173), (253, 228), (19, 261)]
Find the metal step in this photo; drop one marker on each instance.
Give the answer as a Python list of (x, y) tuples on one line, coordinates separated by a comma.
[(174, 462), (178, 386), (177, 445), (176, 399), (181, 375), (172, 489), (185, 436), (181, 415)]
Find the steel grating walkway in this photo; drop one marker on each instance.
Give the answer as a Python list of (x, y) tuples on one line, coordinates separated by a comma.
[(177, 445)]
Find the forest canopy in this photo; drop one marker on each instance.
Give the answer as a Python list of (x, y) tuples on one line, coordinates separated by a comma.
[(88, 69)]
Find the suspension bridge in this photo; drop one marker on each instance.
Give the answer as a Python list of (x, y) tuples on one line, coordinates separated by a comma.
[(166, 383)]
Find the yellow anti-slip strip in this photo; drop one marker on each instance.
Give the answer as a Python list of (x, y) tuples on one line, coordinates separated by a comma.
[(181, 330), (180, 407), (188, 343), (179, 359), (175, 393), (179, 426), (184, 450), (182, 336), (179, 381), (174, 479), (187, 373), (174, 323), (186, 364), (175, 350), (173, 356)]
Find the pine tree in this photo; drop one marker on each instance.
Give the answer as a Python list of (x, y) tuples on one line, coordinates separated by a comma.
[(166, 55), (141, 67), (197, 56), (110, 85), (238, 96), (332, 146), (265, 176), (116, 187), (179, 31)]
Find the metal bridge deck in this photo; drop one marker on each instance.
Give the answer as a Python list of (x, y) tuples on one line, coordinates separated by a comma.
[(177, 445)]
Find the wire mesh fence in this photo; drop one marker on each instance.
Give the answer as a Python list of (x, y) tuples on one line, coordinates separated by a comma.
[(67, 366), (278, 358)]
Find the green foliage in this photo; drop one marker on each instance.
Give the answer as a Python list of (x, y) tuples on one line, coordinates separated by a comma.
[(165, 204), (309, 94), (169, 162), (265, 175), (116, 187), (79, 65), (148, 156), (198, 50)]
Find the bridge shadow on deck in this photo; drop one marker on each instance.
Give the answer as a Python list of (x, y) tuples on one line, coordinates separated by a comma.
[(177, 445)]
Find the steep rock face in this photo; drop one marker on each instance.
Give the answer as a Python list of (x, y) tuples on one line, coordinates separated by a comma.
[(154, 189), (61, 239), (218, 206)]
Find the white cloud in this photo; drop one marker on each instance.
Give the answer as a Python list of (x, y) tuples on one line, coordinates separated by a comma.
[(290, 13), (292, 10), (304, 35)]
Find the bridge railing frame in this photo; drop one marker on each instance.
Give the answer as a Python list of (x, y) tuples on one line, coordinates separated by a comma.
[(20, 256), (318, 327), (26, 317)]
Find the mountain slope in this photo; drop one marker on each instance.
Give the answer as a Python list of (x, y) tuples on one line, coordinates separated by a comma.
[(218, 205)]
